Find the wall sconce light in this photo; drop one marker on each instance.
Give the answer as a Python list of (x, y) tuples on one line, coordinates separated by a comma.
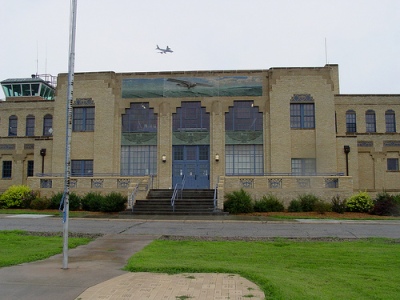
[(164, 158), (217, 157)]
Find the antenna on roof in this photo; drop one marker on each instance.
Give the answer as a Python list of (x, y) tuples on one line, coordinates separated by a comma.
[(37, 58), (326, 53)]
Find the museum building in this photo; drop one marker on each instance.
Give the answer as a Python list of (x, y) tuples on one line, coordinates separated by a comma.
[(282, 131)]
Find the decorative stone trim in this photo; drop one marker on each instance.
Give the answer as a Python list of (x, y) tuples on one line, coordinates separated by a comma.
[(46, 183), (275, 183), (97, 183), (7, 146), (365, 143), (123, 183), (247, 183), (83, 102), (331, 183), (304, 98)]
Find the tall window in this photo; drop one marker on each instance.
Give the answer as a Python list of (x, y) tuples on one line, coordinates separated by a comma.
[(303, 166), (370, 121), (83, 119), (48, 125), (81, 168), (244, 155), (139, 155), (29, 169), (7, 169), (393, 164), (244, 159), (302, 114), (390, 119), (351, 123), (138, 160), (12, 126), (30, 126), (191, 116)]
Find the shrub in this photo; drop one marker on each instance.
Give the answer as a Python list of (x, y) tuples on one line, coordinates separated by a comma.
[(40, 203), (308, 202), (385, 205), (113, 202), (322, 207), (92, 201), (238, 202), (294, 206), (16, 196), (74, 201), (338, 205), (360, 202), (55, 201), (268, 204)]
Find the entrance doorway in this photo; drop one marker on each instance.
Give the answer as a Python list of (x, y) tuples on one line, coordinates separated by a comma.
[(193, 162)]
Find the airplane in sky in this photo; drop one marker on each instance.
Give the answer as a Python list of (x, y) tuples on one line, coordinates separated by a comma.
[(164, 51)]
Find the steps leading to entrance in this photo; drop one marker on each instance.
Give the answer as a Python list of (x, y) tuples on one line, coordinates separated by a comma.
[(189, 202)]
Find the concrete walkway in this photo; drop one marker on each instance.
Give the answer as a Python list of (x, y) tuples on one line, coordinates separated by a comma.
[(94, 272)]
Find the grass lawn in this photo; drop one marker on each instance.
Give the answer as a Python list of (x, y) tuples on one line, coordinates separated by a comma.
[(19, 247), (284, 269)]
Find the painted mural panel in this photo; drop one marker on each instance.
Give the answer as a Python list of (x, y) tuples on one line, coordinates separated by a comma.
[(184, 87)]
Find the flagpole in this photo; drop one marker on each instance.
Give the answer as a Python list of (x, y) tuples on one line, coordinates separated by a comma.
[(70, 92)]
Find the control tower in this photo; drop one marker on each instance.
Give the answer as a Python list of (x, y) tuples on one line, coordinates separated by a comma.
[(37, 87)]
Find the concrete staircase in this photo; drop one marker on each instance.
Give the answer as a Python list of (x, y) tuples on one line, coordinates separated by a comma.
[(190, 202)]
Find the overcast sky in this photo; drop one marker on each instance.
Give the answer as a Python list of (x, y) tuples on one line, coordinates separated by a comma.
[(362, 37)]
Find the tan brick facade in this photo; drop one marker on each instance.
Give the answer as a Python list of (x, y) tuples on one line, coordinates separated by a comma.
[(277, 88)]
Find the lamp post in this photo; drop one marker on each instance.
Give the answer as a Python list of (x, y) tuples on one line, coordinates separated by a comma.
[(346, 149)]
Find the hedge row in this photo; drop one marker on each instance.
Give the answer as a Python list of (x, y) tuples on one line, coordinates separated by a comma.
[(20, 196), (383, 205)]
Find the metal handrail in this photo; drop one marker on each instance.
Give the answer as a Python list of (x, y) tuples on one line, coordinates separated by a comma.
[(215, 194), (175, 193), (131, 198)]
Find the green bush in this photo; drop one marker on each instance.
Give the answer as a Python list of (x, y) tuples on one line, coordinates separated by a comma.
[(238, 202), (308, 201), (385, 205), (360, 202), (92, 201), (338, 205), (268, 203), (74, 201), (16, 196), (322, 207), (294, 206), (113, 202), (40, 203)]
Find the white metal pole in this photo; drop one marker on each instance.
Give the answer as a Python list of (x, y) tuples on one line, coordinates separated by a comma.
[(70, 92)]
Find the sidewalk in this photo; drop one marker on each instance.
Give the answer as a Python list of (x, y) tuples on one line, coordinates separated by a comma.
[(94, 272)]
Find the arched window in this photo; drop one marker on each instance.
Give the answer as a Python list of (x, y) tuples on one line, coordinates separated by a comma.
[(370, 121), (351, 123), (48, 125), (244, 142), (139, 145), (139, 118), (12, 126), (30, 125), (191, 116), (390, 119)]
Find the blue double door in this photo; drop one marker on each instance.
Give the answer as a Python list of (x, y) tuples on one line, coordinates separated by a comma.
[(193, 163)]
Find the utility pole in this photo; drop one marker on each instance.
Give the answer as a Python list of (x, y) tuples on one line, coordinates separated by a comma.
[(70, 92)]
